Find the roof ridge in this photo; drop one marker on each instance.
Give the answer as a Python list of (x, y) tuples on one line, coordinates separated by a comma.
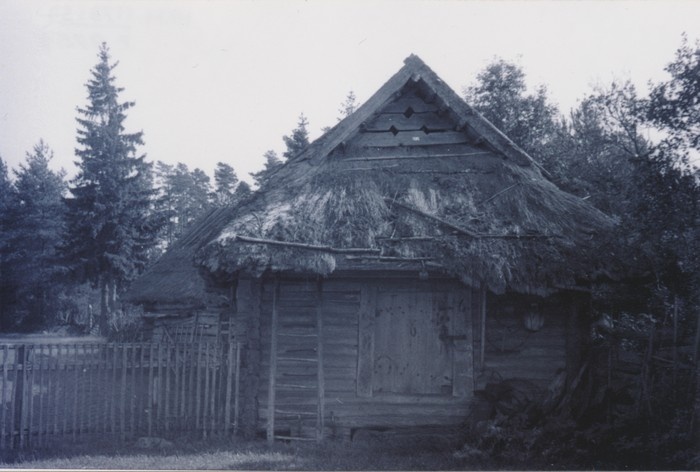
[(415, 69)]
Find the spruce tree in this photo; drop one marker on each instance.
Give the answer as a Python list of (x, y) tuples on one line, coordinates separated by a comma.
[(299, 139), (110, 225), (37, 229), (6, 280)]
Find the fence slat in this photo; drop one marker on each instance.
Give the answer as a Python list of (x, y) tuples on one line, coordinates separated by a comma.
[(3, 426), (74, 389), (236, 390), (132, 392), (112, 393), (20, 394), (150, 389), (183, 382), (122, 411), (66, 383), (212, 401), (229, 387), (76, 381), (197, 385), (56, 389), (205, 412), (168, 368), (41, 400)]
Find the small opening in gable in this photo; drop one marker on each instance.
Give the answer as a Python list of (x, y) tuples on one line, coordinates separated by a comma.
[(409, 112), (393, 130)]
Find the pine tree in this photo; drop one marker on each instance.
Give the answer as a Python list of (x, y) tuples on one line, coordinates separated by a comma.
[(272, 162), (110, 224), (299, 139), (226, 181), (37, 230), (183, 196), (349, 106)]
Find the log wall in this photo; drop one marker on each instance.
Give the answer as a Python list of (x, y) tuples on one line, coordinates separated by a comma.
[(377, 337), (512, 351)]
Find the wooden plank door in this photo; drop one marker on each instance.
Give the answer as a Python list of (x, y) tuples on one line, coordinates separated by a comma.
[(412, 352)]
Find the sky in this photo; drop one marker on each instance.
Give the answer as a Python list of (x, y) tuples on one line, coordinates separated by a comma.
[(224, 80)]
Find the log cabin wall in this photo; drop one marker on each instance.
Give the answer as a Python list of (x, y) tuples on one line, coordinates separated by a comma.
[(526, 339), (246, 328), (395, 352)]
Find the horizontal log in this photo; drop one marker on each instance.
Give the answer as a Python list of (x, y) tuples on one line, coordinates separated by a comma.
[(431, 120), (409, 138), (300, 245), (402, 105)]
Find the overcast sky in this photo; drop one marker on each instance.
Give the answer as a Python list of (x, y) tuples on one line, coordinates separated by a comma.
[(224, 80)]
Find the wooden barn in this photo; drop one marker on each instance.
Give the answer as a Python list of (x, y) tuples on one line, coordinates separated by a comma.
[(405, 259)]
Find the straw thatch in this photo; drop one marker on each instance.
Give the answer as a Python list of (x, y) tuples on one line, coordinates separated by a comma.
[(175, 279), (477, 208)]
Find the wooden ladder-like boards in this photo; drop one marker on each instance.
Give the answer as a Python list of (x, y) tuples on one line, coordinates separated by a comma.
[(295, 395)]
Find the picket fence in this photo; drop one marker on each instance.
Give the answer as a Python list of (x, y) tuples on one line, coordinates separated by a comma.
[(126, 390)]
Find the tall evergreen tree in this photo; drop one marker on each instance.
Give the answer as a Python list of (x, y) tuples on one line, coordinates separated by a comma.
[(110, 224), (226, 181), (6, 283), (36, 231), (299, 138), (183, 196), (272, 161), (349, 106)]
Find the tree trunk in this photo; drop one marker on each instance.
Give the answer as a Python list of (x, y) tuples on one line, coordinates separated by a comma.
[(105, 305)]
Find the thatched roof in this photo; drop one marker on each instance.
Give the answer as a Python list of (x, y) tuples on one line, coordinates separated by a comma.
[(174, 278), (415, 179)]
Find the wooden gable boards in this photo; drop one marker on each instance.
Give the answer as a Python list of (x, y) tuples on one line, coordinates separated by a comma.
[(414, 108)]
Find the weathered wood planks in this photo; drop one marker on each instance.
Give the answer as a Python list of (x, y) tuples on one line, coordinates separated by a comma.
[(70, 390)]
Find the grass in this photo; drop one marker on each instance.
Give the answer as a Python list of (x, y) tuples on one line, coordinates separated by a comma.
[(371, 454)]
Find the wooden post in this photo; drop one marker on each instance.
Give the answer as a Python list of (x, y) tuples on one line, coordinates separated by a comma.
[(183, 382), (20, 369), (123, 393), (31, 355), (214, 375), (365, 345), (198, 384), (104, 382), (175, 402), (160, 386), (273, 366), (55, 388), (319, 343), (113, 390), (460, 311), (674, 377), (236, 390), (166, 385), (205, 400), (3, 397), (42, 400), (76, 381), (132, 392), (150, 389), (66, 383), (482, 317), (229, 379)]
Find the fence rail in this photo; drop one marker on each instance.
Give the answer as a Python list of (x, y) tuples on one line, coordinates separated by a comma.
[(124, 389)]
